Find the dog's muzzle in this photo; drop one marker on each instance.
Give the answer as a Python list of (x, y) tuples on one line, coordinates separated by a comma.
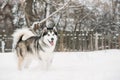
[(52, 41)]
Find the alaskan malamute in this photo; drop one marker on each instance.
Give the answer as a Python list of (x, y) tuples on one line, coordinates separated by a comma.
[(26, 43)]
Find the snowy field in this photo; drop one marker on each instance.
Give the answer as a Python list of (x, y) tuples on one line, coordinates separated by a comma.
[(96, 65)]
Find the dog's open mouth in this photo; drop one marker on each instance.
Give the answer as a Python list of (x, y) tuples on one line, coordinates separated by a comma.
[(51, 42)]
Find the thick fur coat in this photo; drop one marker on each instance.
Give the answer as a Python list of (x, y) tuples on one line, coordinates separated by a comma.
[(27, 44)]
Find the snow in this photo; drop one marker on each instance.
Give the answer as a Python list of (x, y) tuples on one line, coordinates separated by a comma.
[(95, 65)]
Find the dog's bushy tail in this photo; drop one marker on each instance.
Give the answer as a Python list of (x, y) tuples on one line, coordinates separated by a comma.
[(21, 34)]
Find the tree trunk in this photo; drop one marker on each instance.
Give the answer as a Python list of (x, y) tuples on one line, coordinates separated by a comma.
[(28, 12), (96, 41)]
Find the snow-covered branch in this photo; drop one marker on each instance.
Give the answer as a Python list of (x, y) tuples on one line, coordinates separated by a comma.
[(39, 23), (3, 5)]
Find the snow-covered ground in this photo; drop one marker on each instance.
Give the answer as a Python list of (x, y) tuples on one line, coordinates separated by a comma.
[(96, 65)]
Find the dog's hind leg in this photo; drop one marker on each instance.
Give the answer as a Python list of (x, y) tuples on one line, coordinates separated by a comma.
[(20, 62), (20, 58), (28, 61)]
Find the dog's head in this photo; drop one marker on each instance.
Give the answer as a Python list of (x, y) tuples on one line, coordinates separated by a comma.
[(49, 36)]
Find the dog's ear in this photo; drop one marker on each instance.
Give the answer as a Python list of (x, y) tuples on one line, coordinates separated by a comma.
[(55, 30)]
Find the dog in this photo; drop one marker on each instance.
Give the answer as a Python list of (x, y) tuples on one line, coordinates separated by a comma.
[(26, 43)]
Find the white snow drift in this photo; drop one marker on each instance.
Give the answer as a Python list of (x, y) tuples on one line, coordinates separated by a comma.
[(96, 65)]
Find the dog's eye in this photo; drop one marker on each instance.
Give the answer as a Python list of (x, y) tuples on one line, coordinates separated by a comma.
[(48, 34)]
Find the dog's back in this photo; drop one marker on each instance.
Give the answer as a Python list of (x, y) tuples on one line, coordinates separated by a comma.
[(25, 46), (23, 34)]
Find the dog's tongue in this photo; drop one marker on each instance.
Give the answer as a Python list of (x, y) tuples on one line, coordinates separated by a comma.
[(51, 42)]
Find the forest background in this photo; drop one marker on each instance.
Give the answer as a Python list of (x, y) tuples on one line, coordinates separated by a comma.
[(83, 25)]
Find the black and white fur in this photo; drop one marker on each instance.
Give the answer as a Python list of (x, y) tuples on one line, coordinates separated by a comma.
[(27, 44)]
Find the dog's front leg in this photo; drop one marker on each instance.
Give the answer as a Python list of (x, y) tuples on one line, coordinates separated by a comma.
[(44, 65), (47, 63)]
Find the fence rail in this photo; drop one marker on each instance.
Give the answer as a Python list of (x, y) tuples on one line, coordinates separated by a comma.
[(87, 41), (74, 41)]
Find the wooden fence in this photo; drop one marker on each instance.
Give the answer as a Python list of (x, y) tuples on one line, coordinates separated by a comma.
[(74, 41), (86, 41), (6, 44)]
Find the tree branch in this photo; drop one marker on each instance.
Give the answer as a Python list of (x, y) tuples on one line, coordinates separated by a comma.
[(40, 22)]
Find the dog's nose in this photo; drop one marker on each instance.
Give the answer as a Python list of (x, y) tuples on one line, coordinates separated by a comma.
[(52, 39)]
